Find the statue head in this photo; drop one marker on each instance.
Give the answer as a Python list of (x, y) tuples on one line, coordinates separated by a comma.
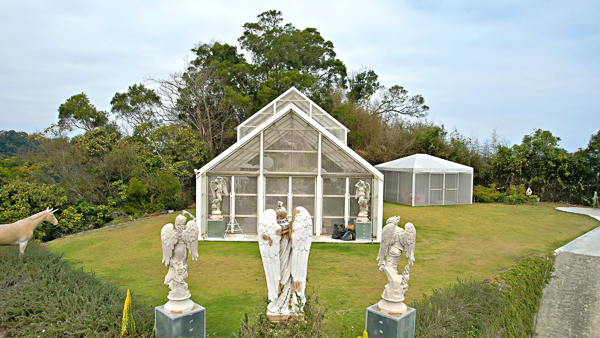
[(180, 221), (393, 220)]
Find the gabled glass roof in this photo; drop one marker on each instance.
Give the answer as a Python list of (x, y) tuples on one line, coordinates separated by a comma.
[(290, 141), (295, 97)]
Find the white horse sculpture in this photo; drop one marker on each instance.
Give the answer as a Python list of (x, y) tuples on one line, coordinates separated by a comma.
[(21, 231)]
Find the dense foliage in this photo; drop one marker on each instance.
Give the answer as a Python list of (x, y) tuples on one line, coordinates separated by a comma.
[(504, 307), (42, 295)]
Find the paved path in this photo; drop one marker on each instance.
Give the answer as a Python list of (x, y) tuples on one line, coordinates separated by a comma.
[(570, 305)]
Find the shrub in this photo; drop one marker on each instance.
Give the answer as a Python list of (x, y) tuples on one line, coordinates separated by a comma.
[(513, 195), (42, 295), (262, 327), (505, 306)]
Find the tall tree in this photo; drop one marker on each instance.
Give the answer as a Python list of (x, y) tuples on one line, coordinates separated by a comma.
[(78, 113), (137, 106), (284, 56)]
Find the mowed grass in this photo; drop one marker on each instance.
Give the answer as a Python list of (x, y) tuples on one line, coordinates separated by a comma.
[(470, 241)]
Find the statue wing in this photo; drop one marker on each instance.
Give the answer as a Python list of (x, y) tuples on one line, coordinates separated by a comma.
[(190, 237), (407, 240), (268, 243), (368, 190), (388, 234), (213, 185), (224, 187), (168, 237), (302, 231)]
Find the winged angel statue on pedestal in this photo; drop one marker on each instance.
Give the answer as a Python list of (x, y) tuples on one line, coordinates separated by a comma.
[(176, 242), (284, 248), (395, 240), (218, 188), (363, 194)]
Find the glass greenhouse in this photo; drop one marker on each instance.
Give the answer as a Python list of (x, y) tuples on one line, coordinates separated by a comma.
[(422, 179), (294, 152)]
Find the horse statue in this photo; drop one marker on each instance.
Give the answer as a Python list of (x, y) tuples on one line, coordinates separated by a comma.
[(21, 231)]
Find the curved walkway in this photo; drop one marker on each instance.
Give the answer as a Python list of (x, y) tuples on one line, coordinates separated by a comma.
[(570, 305)]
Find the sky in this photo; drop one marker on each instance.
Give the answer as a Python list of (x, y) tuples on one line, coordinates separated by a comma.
[(508, 66)]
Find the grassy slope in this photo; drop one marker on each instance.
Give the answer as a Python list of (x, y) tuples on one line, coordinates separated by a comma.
[(472, 241)]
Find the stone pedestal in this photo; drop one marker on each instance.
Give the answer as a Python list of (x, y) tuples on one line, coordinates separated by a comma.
[(215, 228), (189, 325), (381, 325), (363, 231)]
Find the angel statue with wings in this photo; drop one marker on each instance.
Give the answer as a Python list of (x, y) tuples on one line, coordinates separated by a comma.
[(176, 242), (284, 247), (363, 194), (395, 240), (218, 188)]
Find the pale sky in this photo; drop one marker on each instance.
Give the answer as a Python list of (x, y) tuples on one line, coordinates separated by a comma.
[(512, 66)]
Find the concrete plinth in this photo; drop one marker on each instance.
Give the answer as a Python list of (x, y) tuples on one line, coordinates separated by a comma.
[(363, 231), (188, 325), (381, 325), (215, 228)]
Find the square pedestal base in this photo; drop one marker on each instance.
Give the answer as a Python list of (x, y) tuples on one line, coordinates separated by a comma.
[(188, 325), (215, 228), (363, 231), (381, 325)]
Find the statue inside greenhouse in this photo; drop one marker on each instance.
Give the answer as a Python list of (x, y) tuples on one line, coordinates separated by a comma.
[(284, 247), (218, 188), (20, 232), (363, 194), (176, 242), (394, 241)]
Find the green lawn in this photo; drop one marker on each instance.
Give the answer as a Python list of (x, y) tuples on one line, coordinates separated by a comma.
[(471, 241)]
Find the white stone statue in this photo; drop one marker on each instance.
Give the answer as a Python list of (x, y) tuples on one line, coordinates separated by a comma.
[(218, 188), (176, 242), (363, 194), (595, 198), (284, 248), (529, 192), (20, 232), (395, 240)]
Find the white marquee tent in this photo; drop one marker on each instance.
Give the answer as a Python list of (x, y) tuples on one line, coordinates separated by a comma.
[(295, 152), (422, 179)]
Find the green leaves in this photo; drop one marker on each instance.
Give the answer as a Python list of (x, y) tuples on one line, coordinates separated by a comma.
[(78, 113)]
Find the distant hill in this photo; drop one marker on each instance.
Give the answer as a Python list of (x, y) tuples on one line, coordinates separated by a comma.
[(12, 142)]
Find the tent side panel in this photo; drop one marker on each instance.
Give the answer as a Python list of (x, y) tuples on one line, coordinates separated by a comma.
[(465, 188), (421, 189)]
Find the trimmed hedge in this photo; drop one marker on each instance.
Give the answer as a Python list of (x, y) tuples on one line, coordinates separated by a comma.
[(42, 295), (503, 307)]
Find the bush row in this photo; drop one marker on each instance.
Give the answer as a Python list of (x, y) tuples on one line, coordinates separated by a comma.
[(513, 195), (42, 295), (503, 307)]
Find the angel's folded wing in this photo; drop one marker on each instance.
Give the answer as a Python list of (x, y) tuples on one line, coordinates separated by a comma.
[(408, 240), (190, 237), (168, 237), (301, 242), (268, 243)]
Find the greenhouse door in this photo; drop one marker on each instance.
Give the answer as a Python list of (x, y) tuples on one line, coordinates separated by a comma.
[(293, 191)]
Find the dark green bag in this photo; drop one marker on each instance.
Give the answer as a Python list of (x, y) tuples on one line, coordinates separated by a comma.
[(338, 230)]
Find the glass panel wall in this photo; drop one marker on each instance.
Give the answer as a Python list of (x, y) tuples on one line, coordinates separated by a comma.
[(246, 194), (334, 202)]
